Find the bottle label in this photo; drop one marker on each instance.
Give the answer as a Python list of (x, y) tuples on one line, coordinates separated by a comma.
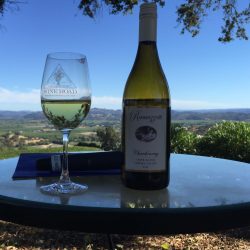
[(145, 139)]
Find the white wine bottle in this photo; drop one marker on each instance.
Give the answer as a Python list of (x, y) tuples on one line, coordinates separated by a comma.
[(146, 113)]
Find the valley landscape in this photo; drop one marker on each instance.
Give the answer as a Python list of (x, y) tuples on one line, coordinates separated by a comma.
[(26, 131)]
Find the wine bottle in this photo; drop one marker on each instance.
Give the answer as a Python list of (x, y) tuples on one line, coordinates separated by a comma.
[(146, 113)]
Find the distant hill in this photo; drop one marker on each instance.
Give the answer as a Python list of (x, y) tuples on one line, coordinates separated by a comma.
[(14, 114), (211, 115), (115, 115), (38, 115), (94, 114)]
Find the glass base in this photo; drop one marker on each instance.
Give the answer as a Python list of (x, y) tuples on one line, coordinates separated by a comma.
[(64, 188)]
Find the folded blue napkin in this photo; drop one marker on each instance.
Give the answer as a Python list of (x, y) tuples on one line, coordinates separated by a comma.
[(32, 165)]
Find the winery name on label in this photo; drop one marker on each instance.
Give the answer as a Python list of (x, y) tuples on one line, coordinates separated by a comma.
[(60, 92), (137, 116)]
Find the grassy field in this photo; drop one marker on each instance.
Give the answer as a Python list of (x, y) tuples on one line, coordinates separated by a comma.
[(37, 128), (32, 129), (7, 153)]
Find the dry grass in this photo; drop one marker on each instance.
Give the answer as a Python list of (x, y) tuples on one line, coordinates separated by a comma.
[(13, 237)]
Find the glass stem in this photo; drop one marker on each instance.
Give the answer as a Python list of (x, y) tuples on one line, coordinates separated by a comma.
[(64, 178)]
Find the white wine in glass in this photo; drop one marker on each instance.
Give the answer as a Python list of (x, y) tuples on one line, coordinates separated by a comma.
[(65, 100)]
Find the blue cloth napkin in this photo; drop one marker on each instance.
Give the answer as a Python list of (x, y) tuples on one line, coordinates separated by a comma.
[(32, 165)]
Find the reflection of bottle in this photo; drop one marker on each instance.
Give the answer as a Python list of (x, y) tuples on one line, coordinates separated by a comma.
[(131, 198), (146, 113)]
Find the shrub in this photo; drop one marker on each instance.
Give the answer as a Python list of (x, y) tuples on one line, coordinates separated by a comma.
[(182, 141), (230, 140), (109, 138)]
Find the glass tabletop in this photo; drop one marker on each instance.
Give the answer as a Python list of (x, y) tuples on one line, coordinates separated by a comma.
[(195, 182), (205, 194)]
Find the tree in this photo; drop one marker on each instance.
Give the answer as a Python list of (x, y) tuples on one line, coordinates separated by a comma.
[(190, 13), (230, 140), (109, 138), (9, 5)]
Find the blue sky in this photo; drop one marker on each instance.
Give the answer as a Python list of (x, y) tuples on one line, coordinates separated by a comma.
[(202, 73)]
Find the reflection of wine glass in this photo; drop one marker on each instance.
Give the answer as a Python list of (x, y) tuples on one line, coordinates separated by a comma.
[(65, 99)]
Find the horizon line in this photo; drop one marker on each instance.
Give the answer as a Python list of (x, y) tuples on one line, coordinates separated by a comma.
[(177, 109)]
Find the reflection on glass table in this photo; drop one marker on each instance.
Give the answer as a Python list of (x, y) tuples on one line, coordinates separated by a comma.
[(204, 194)]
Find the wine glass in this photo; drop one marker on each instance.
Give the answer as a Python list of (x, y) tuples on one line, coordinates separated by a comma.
[(65, 100)]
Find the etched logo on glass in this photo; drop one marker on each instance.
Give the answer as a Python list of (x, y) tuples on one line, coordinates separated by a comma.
[(59, 84), (145, 134)]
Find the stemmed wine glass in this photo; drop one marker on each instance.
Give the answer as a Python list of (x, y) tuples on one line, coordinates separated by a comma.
[(65, 100)]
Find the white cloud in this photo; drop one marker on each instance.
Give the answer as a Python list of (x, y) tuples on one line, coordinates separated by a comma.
[(30, 100), (20, 100), (106, 102), (16, 97), (193, 104)]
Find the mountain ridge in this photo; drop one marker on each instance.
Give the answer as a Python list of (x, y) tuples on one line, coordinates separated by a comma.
[(111, 114)]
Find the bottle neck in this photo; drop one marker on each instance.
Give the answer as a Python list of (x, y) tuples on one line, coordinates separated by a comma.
[(147, 53), (148, 29)]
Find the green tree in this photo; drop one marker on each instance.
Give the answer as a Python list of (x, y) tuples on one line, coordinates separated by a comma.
[(9, 5), (183, 141), (230, 140), (190, 13), (109, 138)]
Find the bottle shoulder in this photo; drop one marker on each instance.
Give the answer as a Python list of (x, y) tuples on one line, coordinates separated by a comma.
[(146, 84), (146, 79), (146, 87)]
